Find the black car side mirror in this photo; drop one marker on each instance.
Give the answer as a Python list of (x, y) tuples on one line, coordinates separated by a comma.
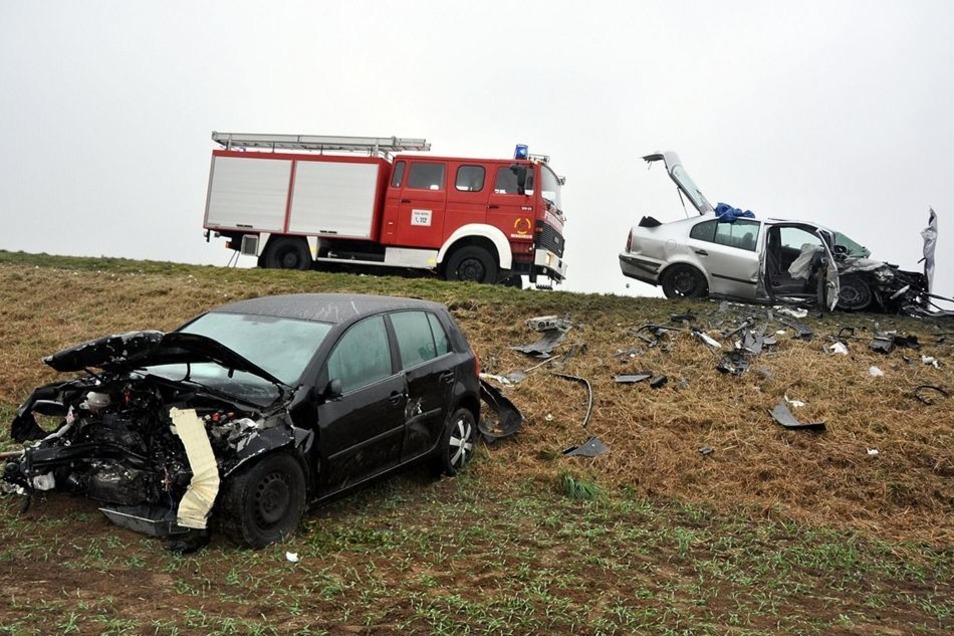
[(333, 390)]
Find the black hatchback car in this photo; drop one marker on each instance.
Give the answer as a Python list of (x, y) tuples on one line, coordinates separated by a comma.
[(250, 411)]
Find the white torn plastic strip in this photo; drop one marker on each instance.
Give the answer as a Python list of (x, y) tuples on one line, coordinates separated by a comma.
[(796, 404), (198, 499), (837, 347)]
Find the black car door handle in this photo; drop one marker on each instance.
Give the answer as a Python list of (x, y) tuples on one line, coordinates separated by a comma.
[(701, 252), (493, 207), (396, 398), (447, 377)]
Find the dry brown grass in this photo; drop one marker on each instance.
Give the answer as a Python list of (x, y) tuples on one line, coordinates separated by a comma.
[(905, 492)]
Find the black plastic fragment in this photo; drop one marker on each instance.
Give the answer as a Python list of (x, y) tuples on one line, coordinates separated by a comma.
[(589, 393), (919, 393), (632, 378), (590, 448), (803, 332), (734, 363), (658, 382), (504, 419), (783, 416)]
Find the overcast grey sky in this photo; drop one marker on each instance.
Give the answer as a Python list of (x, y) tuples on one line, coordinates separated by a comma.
[(839, 112)]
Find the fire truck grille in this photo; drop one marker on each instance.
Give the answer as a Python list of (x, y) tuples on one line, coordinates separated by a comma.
[(549, 238)]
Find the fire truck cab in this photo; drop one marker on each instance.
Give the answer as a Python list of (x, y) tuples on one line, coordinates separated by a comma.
[(482, 220)]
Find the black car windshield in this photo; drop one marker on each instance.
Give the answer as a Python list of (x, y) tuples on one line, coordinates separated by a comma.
[(281, 346)]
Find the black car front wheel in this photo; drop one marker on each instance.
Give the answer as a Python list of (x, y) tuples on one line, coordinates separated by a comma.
[(457, 444), (265, 503)]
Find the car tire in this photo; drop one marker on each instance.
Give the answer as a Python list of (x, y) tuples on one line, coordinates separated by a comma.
[(854, 294), (288, 252), (457, 444), (265, 503), (684, 281), (472, 263)]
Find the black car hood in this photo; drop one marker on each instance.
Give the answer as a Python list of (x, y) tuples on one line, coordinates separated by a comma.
[(137, 349)]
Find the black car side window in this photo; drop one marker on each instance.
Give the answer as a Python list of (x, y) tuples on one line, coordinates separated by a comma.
[(440, 335), (362, 356), (414, 336)]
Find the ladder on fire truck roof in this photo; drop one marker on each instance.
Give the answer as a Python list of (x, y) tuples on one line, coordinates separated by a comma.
[(320, 143)]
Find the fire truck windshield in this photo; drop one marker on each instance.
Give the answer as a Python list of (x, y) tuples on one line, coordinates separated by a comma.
[(550, 186)]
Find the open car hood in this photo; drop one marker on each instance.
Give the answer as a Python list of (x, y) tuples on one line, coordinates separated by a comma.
[(683, 181), (138, 349)]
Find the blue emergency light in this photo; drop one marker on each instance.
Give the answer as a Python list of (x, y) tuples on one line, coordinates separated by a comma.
[(521, 151)]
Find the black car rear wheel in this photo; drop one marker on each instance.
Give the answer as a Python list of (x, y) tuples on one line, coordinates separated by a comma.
[(265, 503), (457, 444), (683, 281)]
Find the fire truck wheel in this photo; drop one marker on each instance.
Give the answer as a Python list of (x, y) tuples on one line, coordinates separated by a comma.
[(472, 263), (288, 253)]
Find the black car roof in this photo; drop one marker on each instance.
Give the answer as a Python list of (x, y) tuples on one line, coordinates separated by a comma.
[(330, 308)]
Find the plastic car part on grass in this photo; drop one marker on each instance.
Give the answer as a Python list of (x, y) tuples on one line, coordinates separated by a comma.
[(553, 329), (783, 416), (920, 392), (504, 420), (590, 448), (632, 378)]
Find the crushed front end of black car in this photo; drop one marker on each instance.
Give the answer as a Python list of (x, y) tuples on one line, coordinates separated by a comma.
[(153, 447)]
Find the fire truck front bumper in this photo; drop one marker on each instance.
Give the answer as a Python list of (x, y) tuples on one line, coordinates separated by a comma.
[(548, 263)]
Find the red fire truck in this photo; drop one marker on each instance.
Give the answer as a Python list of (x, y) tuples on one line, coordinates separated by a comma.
[(305, 201)]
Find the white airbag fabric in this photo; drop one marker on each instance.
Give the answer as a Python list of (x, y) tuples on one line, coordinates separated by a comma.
[(197, 502)]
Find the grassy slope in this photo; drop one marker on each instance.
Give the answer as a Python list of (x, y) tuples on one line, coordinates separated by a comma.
[(776, 529)]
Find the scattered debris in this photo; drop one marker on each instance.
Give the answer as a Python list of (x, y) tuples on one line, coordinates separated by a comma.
[(631, 353), (875, 372), (658, 382), (633, 378), (733, 363), (873, 452), (503, 418), (590, 448), (931, 360), (783, 416), (292, 557), (705, 451), (589, 394), (796, 404), (553, 329), (886, 342), (837, 348), (804, 333), (919, 392), (794, 312), (706, 338)]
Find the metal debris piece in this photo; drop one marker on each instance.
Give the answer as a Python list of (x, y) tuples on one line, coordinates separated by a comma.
[(794, 312), (783, 416), (706, 338), (503, 420), (590, 448), (804, 332), (589, 393), (631, 352), (658, 382), (837, 348), (553, 329), (919, 393), (632, 378), (882, 344), (705, 451), (735, 363)]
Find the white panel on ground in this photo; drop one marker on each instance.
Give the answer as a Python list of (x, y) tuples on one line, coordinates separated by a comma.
[(249, 192), (334, 198)]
